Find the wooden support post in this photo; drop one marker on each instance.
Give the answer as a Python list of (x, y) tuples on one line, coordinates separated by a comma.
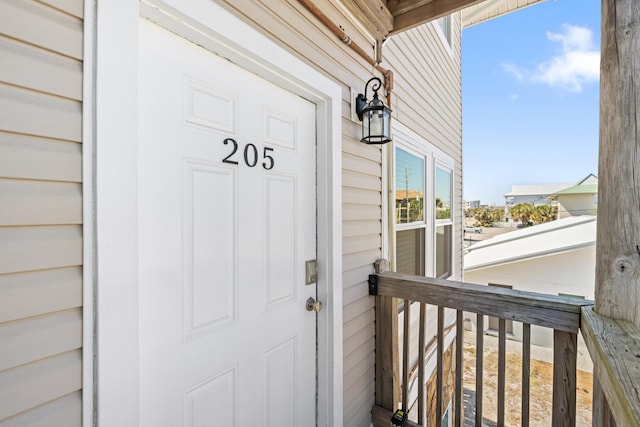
[(387, 384), (565, 356), (617, 287)]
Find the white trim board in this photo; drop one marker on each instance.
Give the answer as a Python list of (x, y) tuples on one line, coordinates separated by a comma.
[(115, 272)]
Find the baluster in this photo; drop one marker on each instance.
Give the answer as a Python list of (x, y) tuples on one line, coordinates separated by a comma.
[(421, 354), (526, 372), (502, 368), (439, 364), (405, 355), (479, 367), (564, 378), (458, 404)]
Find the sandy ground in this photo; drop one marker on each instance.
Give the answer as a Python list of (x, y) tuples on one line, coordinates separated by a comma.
[(541, 388)]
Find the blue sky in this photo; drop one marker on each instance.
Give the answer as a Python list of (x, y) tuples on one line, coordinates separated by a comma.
[(530, 92)]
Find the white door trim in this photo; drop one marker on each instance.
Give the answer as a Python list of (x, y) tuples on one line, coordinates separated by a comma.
[(114, 200)]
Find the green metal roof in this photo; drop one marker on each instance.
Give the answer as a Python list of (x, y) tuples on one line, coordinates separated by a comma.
[(579, 189), (587, 185)]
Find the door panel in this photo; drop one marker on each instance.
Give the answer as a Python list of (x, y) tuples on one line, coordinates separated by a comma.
[(227, 210)]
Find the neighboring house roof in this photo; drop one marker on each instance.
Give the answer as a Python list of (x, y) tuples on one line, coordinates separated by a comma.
[(588, 185), (564, 235), (535, 189), (492, 9), (408, 194)]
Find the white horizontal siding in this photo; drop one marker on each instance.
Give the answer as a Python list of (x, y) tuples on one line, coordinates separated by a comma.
[(39, 382), (40, 202), (39, 292), (360, 213), (363, 228), (361, 181), (38, 337), (363, 321), (28, 157), (28, 66), (355, 276), (41, 213), (62, 412), (38, 114), (72, 7), (361, 243), (39, 248), (40, 25)]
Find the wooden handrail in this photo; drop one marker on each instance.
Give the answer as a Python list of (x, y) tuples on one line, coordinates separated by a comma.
[(556, 312)]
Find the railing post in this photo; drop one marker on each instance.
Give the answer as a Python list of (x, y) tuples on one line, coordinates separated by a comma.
[(565, 357), (387, 378), (601, 413)]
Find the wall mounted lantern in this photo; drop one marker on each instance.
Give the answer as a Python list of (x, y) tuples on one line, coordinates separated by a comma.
[(375, 115)]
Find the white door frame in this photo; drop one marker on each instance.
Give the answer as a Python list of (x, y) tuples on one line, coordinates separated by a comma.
[(111, 279)]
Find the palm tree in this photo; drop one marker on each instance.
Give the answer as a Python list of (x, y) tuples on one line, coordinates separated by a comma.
[(544, 213), (522, 212)]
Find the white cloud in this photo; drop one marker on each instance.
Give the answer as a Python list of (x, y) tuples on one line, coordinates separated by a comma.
[(577, 63), (515, 71)]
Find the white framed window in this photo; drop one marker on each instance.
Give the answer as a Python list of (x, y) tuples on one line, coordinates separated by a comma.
[(445, 28), (444, 220), (410, 213), (422, 223)]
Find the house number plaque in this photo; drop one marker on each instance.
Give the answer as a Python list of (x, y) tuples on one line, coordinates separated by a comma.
[(250, 154)]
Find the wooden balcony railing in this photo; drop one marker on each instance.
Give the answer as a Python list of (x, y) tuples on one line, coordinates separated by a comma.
[(394, 376), (614, 346)]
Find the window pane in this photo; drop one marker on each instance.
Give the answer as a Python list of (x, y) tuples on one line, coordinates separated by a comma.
[(443, 251), (445, 26), (410, 251), (409, 187), (443, 193)]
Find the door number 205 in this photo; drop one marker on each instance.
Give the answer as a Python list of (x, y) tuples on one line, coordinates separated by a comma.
[(250, 153)]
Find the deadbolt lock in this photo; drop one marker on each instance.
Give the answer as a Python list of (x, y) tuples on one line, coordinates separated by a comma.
[(311, 271), (313, 305)]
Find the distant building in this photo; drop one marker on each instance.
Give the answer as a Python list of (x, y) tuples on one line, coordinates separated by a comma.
[(579, 199), (535, 195), (471, 204)]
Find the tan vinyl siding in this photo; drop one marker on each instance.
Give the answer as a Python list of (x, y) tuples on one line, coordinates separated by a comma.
[(41, 212), (432, 106), (427, 99)]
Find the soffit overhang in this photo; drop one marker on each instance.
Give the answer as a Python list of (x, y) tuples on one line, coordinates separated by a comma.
[(383, 18)]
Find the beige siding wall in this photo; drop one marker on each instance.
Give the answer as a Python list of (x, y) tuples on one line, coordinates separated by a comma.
[(427, 99), (40, 212), (576, 205)]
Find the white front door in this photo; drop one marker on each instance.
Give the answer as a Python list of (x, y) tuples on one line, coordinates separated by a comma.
[(227, 219)]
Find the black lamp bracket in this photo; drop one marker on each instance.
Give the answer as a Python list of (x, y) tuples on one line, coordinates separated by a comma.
[(361, 100)]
